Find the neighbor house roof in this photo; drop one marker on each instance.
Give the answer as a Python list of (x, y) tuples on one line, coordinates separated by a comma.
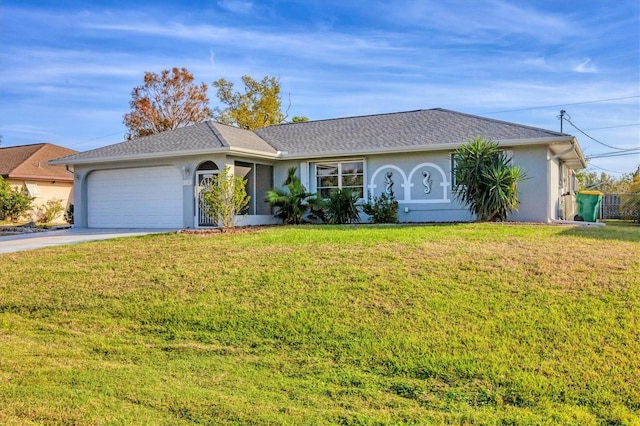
[(30, 162), (393, 132)]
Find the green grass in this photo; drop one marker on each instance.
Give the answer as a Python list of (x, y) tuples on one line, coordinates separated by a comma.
[(443, 324)]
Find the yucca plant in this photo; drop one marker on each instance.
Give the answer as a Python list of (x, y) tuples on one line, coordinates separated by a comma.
[(487, 182), (342, 207)]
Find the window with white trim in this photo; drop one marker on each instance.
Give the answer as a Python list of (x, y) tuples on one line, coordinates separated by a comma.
[(340, 175)]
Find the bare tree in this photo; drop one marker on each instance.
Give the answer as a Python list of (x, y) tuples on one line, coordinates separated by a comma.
[(166, 101)]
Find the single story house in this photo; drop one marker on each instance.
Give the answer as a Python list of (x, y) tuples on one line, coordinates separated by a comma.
[(27, 167), (154, 181)]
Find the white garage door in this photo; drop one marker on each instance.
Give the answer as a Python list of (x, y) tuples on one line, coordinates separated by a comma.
[(149, 197)]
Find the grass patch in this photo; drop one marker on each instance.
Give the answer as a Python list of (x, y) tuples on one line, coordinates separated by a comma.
[(356, 325)]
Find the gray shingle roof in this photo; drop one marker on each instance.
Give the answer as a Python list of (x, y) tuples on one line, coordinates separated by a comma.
[(420, 128), (381, 132), (199, 137)]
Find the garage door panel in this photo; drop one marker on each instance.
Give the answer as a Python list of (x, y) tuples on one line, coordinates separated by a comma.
[(135, 198)]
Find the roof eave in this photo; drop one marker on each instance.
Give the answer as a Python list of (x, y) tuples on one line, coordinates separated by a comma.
[(422, 148), (154, 155), (40, 178)]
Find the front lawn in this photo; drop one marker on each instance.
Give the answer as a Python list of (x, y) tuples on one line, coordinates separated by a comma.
[(356, 325)]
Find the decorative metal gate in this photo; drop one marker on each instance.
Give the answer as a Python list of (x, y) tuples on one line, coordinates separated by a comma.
[(205, 178)]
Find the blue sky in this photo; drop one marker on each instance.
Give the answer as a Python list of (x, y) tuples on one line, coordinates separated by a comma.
[(68, 67)]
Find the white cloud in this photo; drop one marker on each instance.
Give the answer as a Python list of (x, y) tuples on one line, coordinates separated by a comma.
[(480, 21), (585, 67)]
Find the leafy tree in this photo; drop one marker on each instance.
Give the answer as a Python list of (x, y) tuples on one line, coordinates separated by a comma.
[(225, 198), (487, 182), (382, 209), (604, 182), (294, 204), (259, 106), (341, 207), (299, 119), (166, 101)]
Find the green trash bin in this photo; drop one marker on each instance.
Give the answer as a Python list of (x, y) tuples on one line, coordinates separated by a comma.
[(588, 205)]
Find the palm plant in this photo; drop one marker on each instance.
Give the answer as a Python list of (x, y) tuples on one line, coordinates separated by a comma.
[(342, 207), (487, 182), (293, 203)]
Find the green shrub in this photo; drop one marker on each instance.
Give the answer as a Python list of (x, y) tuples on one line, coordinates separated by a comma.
[(342, 207), (68, 214), (225, 198), (50, 211), (382, 209), (14, 202)]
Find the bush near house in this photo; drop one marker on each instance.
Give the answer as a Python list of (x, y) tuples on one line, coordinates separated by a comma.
[(341, 207), (68, 214), (50, 211), (14, 203), (225, 198), (382, 209), (293, 203)]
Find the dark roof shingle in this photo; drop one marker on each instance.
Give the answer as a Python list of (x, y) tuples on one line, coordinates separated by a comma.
[(199, 137), (420, 128)]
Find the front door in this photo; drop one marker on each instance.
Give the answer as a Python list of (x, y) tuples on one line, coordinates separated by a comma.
[(204, 178)]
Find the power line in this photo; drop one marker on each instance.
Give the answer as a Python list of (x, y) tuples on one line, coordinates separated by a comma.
[(562, 105), (95, 139), (612, 127), (606, 170), (568, 120), (613, 154)]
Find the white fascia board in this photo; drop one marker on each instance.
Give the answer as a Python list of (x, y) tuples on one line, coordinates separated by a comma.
[(172, 154)]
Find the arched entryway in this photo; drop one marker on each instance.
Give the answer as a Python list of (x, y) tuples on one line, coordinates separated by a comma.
[(204, 176)]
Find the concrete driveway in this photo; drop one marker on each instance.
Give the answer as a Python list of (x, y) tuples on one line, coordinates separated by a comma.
[(21, 242)]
